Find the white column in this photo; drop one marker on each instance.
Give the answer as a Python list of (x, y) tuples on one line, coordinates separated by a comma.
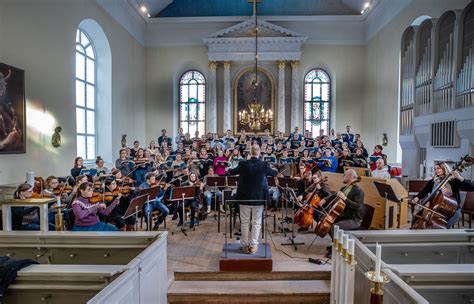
[(281, 97), (295, 95), (227, 100), (211, 122)]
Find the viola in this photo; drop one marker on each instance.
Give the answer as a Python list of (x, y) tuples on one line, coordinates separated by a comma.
[(337, 206), (440, 207)]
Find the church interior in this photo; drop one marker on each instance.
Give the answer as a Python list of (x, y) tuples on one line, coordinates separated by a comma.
[(236, 151)]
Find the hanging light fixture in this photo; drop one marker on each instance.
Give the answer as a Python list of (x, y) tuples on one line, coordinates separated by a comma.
[(255, 115)]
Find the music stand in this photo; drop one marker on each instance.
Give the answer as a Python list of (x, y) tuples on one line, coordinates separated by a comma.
[(181, 194), (136, 204), (216, 181), (151, 194), (232, 181), (294, 200), (226, 196), (386, 191), (271, 181)]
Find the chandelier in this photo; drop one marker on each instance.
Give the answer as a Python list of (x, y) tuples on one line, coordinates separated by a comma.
[(255, 115)]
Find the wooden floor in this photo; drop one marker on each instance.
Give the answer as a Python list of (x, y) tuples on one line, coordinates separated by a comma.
[(200, 250)]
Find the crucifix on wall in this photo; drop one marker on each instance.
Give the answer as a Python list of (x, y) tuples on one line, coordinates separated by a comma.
[(254, 3)]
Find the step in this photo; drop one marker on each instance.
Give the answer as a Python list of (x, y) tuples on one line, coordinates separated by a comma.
[(295, 291), (252, 276)]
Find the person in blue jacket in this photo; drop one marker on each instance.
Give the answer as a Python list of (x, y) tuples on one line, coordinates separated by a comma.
[(328, 162)]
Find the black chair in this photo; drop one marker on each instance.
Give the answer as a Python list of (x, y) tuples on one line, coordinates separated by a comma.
[(367, 216)]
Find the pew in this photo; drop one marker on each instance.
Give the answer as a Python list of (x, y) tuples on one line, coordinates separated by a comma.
[(387, 214), (88, 267)]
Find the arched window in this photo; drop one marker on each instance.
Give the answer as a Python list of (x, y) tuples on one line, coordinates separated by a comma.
[(192, 105), (86, 88), (317, 101)]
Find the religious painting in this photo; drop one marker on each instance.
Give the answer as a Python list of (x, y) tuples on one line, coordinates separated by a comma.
[(245, 95), (12, 110)]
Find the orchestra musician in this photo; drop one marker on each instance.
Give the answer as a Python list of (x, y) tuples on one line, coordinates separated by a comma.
[(155, 204), (451, 189), (252, 185), (353, 197), (116, 215), (319, 188), (27, 218), (85, 213), (191, 203)]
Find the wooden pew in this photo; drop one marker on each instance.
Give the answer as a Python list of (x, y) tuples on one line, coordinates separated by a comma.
[(387, 214)]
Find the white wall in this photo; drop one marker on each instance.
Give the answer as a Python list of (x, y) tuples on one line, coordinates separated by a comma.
[(165, 65), (381, 107), (39, 37)]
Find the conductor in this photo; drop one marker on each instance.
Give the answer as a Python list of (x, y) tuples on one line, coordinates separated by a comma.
[(252, 186)]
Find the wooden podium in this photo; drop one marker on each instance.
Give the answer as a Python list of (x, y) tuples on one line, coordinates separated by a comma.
[(387, 214), (233, 259)]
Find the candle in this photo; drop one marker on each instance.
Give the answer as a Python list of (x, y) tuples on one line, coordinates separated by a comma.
[(351, 247), (341, 233), (336, 232), (378, 261), (58, 200), (345, 241)]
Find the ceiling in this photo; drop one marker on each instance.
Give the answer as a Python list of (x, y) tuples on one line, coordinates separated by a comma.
[(207, 8)]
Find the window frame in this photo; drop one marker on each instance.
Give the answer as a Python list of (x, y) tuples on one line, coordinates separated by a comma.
[(328, 102), (181, 102), (85, 82)]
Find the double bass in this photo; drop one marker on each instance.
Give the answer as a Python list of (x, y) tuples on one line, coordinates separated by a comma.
[(440, 207), (337, 206)]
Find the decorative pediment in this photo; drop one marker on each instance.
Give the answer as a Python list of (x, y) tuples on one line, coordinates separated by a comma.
[(237, 43), (246, 29)]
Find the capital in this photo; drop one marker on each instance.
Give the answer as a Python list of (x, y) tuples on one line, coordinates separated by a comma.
[(295, 64), (226, 65), (212, 65), (281, 64)]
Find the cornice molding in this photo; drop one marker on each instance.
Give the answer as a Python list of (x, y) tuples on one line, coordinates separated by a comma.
[(126, 15), (140, 27)]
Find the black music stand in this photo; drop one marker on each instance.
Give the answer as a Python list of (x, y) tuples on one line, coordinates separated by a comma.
[(181, 194), (232, 181), (289, 185), (271, 181), (151, 194), (216, 181), (136, 204), (386, 191), (227, 195)]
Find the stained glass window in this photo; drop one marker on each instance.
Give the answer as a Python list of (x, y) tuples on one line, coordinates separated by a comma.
[(192, 103), (317, 102), (86, 88)]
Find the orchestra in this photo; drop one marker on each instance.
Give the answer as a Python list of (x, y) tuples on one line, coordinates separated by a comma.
[(99, 195)]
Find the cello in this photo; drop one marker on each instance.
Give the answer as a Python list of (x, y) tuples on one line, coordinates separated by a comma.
[(305, 216), (441, 207), (337, 207)]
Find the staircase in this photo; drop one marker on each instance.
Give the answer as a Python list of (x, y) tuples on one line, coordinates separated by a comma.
[(251, 287)]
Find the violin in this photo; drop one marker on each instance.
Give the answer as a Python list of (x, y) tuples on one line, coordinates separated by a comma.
[(440, 207), (125, 181), (337, 207), (304, 216)]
